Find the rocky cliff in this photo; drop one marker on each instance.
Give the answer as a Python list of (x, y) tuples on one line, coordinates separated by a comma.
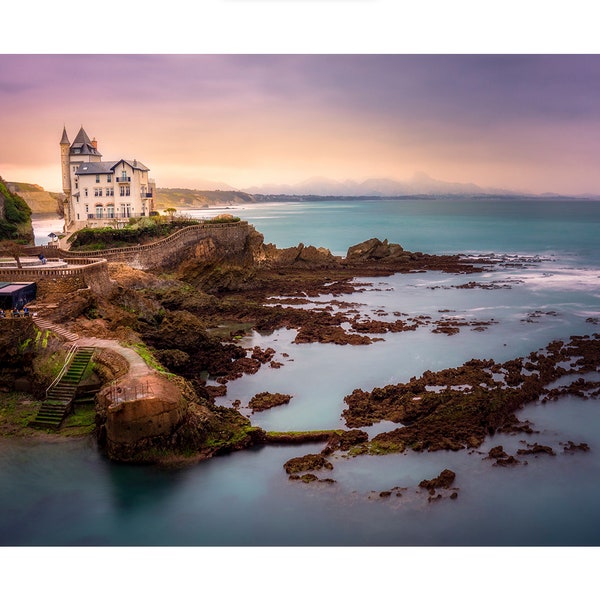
[(38, 199)]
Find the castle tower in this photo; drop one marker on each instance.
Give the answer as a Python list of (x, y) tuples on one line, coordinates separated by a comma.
[(66, 173), (64, 162)]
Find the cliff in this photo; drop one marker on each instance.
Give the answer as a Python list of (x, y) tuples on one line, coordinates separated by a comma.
[(15, 216), (37, 198), (185, 198)]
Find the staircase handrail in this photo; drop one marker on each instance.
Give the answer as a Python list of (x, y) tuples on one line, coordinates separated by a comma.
[(68, 358)]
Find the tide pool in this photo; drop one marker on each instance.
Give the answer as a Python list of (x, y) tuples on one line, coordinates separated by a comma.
[(547, 287)]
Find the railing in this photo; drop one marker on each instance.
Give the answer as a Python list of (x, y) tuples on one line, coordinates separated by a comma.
[(185, 232), (75, 267), (123, 179), (68, 358)]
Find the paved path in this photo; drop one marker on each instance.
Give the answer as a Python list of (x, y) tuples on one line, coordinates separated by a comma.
[(137, 365)]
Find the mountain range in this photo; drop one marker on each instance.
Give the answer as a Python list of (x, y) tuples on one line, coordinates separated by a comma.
[(419, 184)]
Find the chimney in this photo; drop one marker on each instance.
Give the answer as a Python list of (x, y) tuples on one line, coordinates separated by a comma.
[(95, 144)]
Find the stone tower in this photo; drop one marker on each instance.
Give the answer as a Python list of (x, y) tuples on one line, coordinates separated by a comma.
[(66, 174)]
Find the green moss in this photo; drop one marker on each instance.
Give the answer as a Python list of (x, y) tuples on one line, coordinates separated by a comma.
[(149, 358), (81, 422), (16, 411)]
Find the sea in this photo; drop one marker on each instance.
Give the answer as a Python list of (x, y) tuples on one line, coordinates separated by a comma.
[(545, 285)]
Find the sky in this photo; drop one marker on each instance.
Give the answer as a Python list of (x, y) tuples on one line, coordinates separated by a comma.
[(529, 123)]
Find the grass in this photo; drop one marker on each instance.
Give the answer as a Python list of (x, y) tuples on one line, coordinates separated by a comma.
[(16, 410), (81, 422), (147, 356)]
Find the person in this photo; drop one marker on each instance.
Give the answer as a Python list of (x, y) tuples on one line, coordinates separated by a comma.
[(2, 315), (16, 312), (25, 312), (42, 258)]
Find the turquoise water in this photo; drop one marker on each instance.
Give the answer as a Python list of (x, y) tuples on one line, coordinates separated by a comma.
[(68, 494)]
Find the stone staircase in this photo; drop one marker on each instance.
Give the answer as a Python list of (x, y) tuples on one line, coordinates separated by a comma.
[(43, 324), (60, 395)]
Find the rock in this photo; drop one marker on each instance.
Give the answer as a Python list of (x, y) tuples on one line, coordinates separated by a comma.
[(572, 447), (444, 479), (266, 400), (536, 449), (497, 452), (374, 249), (309, 462)]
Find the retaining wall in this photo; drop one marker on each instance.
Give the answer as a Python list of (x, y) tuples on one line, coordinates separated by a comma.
[(228, 239)]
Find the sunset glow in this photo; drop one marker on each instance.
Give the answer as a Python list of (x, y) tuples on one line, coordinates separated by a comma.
[(526, 123)]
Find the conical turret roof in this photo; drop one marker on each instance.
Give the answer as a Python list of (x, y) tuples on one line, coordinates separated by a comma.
[(65, 139), (83, 145)]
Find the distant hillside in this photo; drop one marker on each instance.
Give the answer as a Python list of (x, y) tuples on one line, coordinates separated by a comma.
[(15, 216), (184, 198), (419, 184), (39, 200)]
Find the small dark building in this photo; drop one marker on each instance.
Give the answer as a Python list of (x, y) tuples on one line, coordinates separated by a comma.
[(16, 294)]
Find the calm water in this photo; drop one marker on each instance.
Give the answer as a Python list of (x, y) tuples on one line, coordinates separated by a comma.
[(67, 494)]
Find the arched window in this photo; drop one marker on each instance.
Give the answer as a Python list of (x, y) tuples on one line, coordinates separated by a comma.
[(110, 211), (99, 211)]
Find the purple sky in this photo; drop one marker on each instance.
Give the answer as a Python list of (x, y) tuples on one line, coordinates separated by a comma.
[(529, 123)]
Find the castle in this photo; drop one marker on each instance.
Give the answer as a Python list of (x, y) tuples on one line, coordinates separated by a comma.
[(101, 193)]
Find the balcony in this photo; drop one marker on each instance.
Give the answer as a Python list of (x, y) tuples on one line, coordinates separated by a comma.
[(123, 179), (147, 195)]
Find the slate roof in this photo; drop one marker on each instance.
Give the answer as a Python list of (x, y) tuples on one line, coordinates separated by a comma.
[(134, 164), (83, 145), (65, 139), (105, 167), (95, 168)]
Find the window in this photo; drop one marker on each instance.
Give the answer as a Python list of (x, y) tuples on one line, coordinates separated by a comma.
[(87, 208), (76, 186), (97, 178), (85, 192), (110, 211), (109, 178), (98, 211), (124, 175), (110, 192)]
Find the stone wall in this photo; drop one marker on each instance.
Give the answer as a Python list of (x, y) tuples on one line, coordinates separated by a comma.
[(204, 241), (80, 273)]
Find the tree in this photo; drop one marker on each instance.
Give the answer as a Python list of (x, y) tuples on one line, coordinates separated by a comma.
[(171, 212), (13, 249)]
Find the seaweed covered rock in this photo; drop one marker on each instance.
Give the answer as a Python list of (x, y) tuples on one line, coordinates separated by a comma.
[(308, 462), (266, 400)]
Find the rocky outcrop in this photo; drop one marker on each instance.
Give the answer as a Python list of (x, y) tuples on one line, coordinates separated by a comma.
[(375, 249), (266, 400), (136, 415)]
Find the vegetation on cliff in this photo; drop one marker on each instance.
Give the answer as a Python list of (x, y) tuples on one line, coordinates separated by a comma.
[(38, 199), (15, 216), (142, 230)]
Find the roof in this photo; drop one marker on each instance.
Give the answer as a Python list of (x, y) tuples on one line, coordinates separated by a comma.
[(134, 164), (106, 167), (95, 168), (65, 139), (83, 145)]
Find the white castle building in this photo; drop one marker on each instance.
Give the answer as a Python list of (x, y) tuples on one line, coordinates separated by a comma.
[(101, 193)]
